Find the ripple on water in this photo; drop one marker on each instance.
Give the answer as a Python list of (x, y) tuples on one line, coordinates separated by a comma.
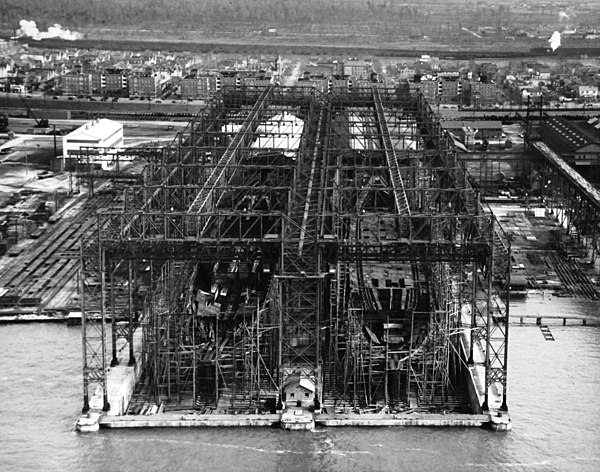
[(553, 396)]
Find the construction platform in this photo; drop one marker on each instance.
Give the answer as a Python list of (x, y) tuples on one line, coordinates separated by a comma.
[(297, 251), (123, 377)]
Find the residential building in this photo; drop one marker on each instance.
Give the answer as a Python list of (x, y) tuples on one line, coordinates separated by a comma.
[(76, 84), (484, 93), (115, 82), (230, 78), (198, 87), (427, 86), (406, 73), (358, 69), (450, 89), (5, 68), (144, 85), (587, 92), (340, 83), (328, 84)]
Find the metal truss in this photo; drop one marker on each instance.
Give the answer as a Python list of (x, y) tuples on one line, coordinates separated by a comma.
[(245, 251)]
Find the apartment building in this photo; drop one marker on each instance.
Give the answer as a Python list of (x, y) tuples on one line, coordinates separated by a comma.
[(76, 84)]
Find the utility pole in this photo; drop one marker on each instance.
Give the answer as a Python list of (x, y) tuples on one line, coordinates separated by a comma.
[(55, 148)]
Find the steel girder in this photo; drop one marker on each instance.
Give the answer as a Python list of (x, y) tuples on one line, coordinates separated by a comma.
[(312, 220)]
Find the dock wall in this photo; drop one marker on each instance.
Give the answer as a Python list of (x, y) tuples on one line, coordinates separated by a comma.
[(122, 378), (174, 420)]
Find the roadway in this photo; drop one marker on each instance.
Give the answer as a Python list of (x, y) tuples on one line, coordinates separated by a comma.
[(21, 125), (453, 112), (11, 101), (135, 133)]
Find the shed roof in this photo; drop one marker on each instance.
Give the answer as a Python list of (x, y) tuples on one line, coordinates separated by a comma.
[(303, 382), (307, 384), (573, 135), (95, 131)]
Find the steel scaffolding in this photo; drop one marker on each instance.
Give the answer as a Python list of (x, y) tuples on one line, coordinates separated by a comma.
[(288, 232)]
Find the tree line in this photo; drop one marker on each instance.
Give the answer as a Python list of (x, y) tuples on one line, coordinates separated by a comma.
[(297, 15), (197, 13)]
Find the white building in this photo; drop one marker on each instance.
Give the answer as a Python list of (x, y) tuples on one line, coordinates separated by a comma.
[(587, 92), (103, 134)]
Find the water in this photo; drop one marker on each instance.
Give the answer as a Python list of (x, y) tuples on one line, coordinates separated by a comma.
[(554, 391)]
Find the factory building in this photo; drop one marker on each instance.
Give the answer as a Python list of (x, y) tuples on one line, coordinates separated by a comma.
[(92, 139), (578, 142)]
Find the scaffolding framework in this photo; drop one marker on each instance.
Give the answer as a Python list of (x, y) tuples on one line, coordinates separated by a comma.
[(248, 254)]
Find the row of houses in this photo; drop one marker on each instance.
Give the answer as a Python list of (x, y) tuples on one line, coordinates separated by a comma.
[(324, 76), (203, 85), (535, 90), (115, 83), (350, 68), (452, 89), (86, 72)]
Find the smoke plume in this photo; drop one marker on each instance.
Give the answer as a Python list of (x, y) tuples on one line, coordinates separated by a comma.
[(555, 40), (28, 29)]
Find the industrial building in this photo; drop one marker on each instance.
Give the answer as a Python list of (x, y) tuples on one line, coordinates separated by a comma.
[(576, 141), (101, 135), (293, 247)]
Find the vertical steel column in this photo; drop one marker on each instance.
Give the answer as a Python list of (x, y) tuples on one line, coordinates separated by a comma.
[(131, 327), (504, 406), (84, 347), (106, 405), (474, 287), (115, 360), (490, 276)]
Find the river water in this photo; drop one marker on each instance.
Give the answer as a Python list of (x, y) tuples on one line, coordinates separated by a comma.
[(554, 400)]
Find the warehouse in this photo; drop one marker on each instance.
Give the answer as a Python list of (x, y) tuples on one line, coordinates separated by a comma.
[(100, 134)]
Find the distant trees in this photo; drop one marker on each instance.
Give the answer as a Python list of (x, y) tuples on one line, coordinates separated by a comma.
[(395, 16)]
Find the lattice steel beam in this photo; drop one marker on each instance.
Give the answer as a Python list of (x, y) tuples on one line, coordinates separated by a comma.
[(199, 203)]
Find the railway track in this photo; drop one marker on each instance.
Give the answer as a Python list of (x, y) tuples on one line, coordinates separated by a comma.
[(45, 269), (575, 281)]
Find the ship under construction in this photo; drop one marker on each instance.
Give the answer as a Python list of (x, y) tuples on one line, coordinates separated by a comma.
[(292, 247)]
